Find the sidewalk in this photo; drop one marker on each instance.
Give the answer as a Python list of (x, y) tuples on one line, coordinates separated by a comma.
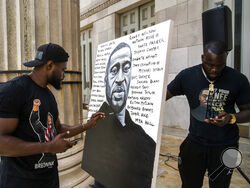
[(168, 175)]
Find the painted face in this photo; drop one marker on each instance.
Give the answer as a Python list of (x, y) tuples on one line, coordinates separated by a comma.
[(118, 79), (213, 64), (49, 119), (203, 98), (57, 75)]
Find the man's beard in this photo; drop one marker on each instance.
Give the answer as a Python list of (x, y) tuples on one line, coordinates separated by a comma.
[(116, 108), (55, 82)]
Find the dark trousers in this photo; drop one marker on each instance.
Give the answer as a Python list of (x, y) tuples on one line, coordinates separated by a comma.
[(195, 159)]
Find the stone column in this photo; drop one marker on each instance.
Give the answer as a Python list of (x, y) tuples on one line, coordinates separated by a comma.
[(3, 41), (29, 30), (25, 25)]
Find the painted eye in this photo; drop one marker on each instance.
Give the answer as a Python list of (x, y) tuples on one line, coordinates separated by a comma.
[(114, 70), (127, 67)]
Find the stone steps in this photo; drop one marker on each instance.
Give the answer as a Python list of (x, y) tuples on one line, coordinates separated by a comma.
[(69, 167)]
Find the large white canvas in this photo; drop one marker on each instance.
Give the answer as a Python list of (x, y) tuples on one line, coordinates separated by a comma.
[(150, 51)]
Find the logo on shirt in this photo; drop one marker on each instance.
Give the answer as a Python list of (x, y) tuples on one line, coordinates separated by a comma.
[(211, 103), (44, 133)]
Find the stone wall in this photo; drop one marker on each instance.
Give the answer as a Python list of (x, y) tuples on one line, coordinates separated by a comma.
[(186, 49), (186, 41), (25, 25)]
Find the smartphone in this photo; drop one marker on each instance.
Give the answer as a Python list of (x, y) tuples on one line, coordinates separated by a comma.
[(76, 140)]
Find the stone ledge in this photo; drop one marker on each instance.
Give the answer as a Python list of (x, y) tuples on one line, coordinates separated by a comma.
[(97, 8), (73, 177)]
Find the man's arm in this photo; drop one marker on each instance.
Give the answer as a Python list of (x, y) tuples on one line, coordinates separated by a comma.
[(244, 115), (168, 95), (14, 147), (76, 129), (224, 118)]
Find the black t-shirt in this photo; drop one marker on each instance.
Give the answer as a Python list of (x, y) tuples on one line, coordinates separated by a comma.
[(36, 109), (230, 88)]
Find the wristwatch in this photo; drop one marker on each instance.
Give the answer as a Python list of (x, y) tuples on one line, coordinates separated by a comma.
[(233, 119)]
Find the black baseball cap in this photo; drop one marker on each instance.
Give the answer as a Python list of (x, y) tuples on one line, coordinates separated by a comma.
[(48, 52)]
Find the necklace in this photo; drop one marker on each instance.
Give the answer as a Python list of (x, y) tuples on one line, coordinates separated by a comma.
[(211, 85)]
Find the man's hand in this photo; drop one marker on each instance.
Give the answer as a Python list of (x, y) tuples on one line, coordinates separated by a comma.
[(59, 145), (222, 119), (93, 120)]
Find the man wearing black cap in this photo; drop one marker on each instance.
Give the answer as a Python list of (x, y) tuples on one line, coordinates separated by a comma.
[(30, 131)]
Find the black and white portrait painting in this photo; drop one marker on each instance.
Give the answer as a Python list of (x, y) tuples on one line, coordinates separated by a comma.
[(129, 86)]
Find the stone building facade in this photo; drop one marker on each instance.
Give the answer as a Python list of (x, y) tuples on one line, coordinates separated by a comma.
[(80, 25), (25, 25), (104, 20)]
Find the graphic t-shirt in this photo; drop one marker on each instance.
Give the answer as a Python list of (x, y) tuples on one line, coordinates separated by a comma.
[(36, 109), (230, 88)]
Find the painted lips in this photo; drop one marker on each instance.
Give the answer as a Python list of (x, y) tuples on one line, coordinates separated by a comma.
[(118, 93)]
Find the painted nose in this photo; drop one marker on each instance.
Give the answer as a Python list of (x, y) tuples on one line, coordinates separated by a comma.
[(120, 77)]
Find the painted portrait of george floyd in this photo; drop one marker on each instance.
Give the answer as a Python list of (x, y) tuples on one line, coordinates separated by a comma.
[(120, 150)]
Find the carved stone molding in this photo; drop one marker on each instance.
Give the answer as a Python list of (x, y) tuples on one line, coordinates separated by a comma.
[(89, 12)]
